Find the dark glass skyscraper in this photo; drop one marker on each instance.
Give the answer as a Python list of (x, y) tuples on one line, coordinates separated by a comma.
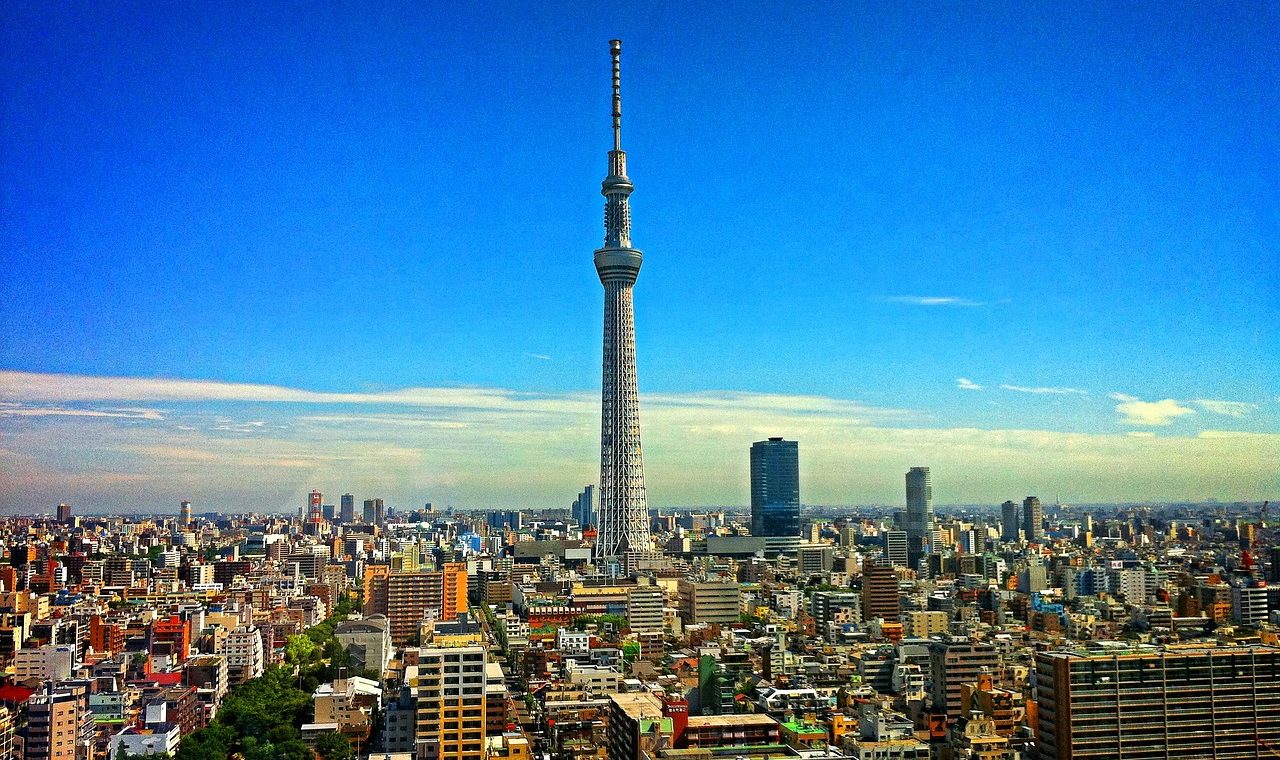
[(1010, 521), (775, 490), (919, 513)]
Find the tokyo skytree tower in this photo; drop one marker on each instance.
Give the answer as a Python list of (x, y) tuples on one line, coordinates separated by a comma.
[(624, 510)]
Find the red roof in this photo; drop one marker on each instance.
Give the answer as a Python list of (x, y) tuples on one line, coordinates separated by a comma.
[(163, 679), (15, 695)]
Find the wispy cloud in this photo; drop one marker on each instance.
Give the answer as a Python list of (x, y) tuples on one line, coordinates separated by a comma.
[(539, 357), (1046, 390), (32, 387), (931, 300), (11, 409), (1135, 411), (967, 384), (1225, 408)]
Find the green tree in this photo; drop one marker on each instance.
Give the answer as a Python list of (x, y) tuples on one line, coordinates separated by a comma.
[(299, 650), (334, 746)]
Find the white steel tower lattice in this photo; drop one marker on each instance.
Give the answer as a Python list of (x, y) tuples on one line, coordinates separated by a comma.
[(623, 510)]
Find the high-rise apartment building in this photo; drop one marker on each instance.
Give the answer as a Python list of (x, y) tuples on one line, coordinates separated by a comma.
[(1032, 519), (954, 662), (919, 523), (184, 514), (880, 593), (451, 712), (244, 650), (64, 513), (1146, 703), (624, 507), (1010, 522), (409, 598), (59, 726)]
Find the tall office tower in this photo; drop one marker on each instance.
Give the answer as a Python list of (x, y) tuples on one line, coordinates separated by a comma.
[(584, 507), (1193, 702), (1088, 523), (880, 593), (1032, 519), (895, 547), (624, 508), (451, 709), (347, 508), (374, 511), (64, 513), (184, 513), (919, 512), (314, 505), (1009, 521), (775, 494)]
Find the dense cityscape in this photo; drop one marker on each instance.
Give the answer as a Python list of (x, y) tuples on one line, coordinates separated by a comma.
[(350, 627), (1019, 631)]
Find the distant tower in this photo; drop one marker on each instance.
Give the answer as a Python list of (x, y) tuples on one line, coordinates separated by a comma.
[(64, 513), (1009, 521), (1032, 518), (584, 507), (375, 511), (775, 493), (184, 513), (347, 508), (919, 511), (623, 507)]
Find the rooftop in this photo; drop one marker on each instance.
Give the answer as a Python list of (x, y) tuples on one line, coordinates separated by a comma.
[(746, 719)]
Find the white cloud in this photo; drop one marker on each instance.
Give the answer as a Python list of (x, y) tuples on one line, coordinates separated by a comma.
[(539, 357), (32, 387), (484, 447), (1135, 411), (965, 383), (1225, 408), (931, 301), (1056, 391)]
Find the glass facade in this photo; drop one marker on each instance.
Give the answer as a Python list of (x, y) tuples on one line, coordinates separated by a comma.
[(775, 488)]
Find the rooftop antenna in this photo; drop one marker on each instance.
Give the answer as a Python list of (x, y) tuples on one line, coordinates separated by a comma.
[(615, 49)]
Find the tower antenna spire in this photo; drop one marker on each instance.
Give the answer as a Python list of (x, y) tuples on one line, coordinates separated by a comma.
[(615, 49)]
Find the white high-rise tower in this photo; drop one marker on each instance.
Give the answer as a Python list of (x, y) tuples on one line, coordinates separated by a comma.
[(623, 510)]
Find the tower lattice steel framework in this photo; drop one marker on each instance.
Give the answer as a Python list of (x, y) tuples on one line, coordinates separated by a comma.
[(624, 509)]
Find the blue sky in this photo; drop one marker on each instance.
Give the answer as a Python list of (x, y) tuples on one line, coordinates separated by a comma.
[(848, 205)]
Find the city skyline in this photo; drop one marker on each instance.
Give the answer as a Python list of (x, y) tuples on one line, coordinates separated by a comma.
[(988, 264)]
